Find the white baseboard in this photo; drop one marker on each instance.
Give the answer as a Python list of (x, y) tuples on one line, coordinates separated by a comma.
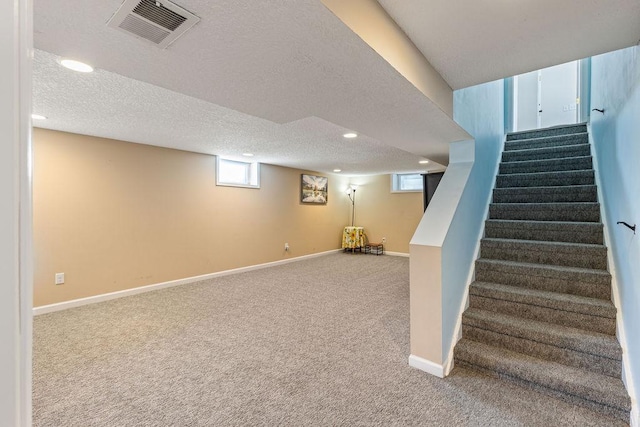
[(426, 366), (635, 417), (154, 287), (402, 254)]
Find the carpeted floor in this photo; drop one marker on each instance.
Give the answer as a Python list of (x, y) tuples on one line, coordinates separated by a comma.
[(318, 342)]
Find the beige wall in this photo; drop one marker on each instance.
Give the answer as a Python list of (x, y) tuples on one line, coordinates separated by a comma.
[(113, 215), (386, 214)]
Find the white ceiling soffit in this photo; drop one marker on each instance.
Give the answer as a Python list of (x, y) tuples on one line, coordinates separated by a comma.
[(472, 42), (158, 22), (279, 61), (108, 105)]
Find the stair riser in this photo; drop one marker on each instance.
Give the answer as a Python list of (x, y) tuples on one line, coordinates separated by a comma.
[(544, 213), (547, 153), (542, 133), (593, 363), (560, 165), (606, 347), (546, 179), (544, 314), (556, 141), (545, 195), (532, 279), (584, 258), (615, 412), (540, 233)]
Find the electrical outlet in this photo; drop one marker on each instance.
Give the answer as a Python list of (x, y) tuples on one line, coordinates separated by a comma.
[(59, 278), (286, 247), (384, 240)]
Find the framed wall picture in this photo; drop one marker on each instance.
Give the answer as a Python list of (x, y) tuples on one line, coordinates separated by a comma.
[(314, 189)]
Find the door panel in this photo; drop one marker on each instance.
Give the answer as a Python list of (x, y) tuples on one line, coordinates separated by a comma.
[(527, 104), (546, 97), (559, 93)]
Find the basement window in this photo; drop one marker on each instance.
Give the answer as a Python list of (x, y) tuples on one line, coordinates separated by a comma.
[(233, 173), (406, 182)]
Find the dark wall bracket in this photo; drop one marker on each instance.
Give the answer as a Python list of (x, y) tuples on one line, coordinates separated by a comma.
[(598, 110), (632, 227)]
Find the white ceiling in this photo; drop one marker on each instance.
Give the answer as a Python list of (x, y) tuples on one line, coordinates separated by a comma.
[(285, 79), (473, 42)]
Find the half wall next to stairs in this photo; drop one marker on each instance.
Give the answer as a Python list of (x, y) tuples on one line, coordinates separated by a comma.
[(444, 245)]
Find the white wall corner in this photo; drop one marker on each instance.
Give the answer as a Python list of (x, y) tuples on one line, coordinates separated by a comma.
[(16, 51), (426, 366)]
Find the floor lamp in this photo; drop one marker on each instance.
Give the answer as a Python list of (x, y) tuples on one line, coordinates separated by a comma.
[(351, 192)]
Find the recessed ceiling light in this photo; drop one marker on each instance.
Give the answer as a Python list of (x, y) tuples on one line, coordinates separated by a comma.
[(423, 162), (76, 65), (247, 154), (350, 135), (38, 117), (337, 170)]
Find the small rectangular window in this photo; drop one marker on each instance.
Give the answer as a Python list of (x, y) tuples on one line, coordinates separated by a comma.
[(406, 182), (237, 174)]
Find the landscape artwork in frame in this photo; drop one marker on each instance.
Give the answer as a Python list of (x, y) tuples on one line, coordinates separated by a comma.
[(314, 189)]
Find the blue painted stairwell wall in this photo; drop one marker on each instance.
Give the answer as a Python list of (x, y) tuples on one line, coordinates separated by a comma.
[(615, 86), (480, 111)]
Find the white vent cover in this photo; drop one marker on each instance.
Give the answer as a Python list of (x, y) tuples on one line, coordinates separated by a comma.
[(157, 22)]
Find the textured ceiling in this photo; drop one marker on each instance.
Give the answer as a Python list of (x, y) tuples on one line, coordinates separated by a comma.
[(472, 42), (278, 75), (285, 79), (109, 105)]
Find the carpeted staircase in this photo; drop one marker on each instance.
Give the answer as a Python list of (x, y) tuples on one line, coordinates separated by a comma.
[(540, 311)]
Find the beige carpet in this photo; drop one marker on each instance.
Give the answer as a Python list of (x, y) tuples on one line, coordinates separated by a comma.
[(319, 342)]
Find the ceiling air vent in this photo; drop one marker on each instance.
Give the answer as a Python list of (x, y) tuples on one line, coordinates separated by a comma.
[(157, 22)]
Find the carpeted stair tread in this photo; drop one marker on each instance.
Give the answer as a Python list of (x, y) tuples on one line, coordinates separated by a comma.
[(546, 153), (556, 211), (565, 302), (547, 165), (546, 132), (599, 392), (553, 231), (555, 253), (547, 141), (565, 356), (541, 179), (559, 194), (579, 340), (594, 283), (575, 311)]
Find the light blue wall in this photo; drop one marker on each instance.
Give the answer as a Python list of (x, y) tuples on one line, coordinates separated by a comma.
[(480, 111), (615, 86)]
